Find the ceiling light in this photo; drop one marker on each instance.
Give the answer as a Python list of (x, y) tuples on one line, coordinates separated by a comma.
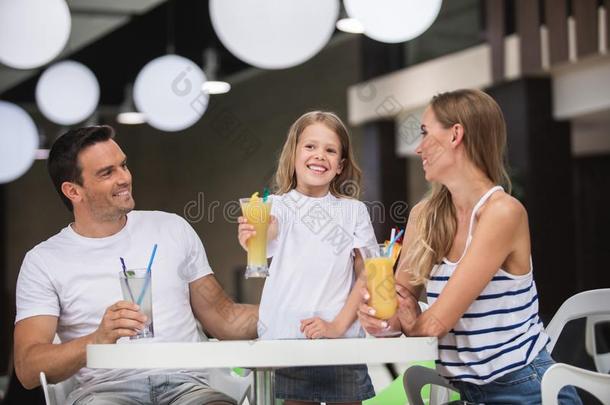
[(128, 115), (216, 87), (168, 91), (274, 34), (393, 21), (131, 118), (350, 25), (67, 93), (32, 32), (18, 141)]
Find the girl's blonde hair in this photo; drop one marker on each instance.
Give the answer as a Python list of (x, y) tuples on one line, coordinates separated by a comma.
[(484, 142), (346, 184)]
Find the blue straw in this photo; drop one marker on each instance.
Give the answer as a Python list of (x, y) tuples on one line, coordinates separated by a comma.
[(388, 251), (127, 279), (147, 281)]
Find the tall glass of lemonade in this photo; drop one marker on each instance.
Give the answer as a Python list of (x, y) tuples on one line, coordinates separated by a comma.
[(257, 211), (379, 270)]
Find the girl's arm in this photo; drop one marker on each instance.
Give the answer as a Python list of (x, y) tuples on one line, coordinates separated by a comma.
[(494, 240), (315, 328)]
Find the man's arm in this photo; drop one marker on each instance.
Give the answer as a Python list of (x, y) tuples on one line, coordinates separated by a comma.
[(218, 314), (35, 351)]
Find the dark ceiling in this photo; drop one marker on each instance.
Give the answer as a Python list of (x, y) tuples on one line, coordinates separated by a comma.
[(116, 59)]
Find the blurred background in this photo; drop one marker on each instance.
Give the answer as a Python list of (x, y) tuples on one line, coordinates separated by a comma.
[(245, 70)]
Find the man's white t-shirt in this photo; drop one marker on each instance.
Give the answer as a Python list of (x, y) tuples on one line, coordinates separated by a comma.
[(76, 278), (312, 271)]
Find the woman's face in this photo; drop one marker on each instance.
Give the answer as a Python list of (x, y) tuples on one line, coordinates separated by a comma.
[(435, 148)]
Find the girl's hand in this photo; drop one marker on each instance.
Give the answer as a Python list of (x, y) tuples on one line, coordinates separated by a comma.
[(408, 309), (245, 231), (316, 328), (369, 322)]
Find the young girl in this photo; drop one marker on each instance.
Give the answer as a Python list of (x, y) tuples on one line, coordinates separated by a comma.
[(468, 244), (318, 225)]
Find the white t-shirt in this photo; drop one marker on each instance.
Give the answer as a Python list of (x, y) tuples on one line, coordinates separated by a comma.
[(76, 278), (312, 271)]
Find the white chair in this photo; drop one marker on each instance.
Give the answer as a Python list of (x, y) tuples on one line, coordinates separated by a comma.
[(584, 304), (559, 375), (601, 360), (56, 394), (417, 376)]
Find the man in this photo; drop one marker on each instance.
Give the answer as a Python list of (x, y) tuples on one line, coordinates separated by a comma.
[(69, 284)]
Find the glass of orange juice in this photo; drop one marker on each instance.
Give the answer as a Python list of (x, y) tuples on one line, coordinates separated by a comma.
[(257, 212), (379, 271)]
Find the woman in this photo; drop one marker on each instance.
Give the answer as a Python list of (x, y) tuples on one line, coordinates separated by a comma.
[(468, 244)]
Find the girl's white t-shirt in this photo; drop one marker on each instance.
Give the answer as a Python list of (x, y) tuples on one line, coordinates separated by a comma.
[(312, 270), (76, 278)]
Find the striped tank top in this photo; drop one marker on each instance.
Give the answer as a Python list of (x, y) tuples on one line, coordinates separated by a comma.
[(499, 333)]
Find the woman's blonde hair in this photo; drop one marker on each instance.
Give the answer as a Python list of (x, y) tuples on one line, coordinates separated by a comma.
[(484, 142), (346, 184)]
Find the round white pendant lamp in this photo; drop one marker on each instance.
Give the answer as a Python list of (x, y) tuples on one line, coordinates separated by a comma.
[(274, 34), (168, 92), (67, 93), (32, 32), (18, 141), (393, 21)]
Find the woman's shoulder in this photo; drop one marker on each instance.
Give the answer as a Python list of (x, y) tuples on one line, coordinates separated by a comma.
[(502, 206)]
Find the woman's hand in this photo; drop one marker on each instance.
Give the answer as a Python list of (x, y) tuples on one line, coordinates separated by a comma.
[(317, 328), (408, 309), (369, 322)]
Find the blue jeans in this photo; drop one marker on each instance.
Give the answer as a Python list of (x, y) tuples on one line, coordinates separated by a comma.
[(518, 387), (324, 383), (175, 389)]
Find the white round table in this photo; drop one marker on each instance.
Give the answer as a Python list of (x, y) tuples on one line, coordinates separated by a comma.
[(262, 355)]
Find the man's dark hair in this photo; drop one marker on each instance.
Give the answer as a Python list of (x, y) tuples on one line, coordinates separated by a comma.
[(63, 157)]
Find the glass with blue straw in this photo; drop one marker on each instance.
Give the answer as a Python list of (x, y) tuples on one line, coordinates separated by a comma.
[(138, 283)]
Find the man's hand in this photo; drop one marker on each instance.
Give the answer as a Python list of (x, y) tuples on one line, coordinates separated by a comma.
[(120, 320), (317, 328)]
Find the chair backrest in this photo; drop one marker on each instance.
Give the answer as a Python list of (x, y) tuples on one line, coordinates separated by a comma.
[(601, 360), (416, 377), (559, 375), (593, 302), (56, 394)]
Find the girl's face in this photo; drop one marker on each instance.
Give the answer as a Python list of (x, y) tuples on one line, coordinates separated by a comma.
[(435, 148), (318, 160)]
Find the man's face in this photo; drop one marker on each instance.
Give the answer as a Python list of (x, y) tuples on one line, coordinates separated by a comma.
[(106, 187)]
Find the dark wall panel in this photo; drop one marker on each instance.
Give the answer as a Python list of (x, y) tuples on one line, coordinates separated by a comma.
[(556, 14), (494, 18), (592, 196), (540, 158), (585, 14), (528, 28)]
